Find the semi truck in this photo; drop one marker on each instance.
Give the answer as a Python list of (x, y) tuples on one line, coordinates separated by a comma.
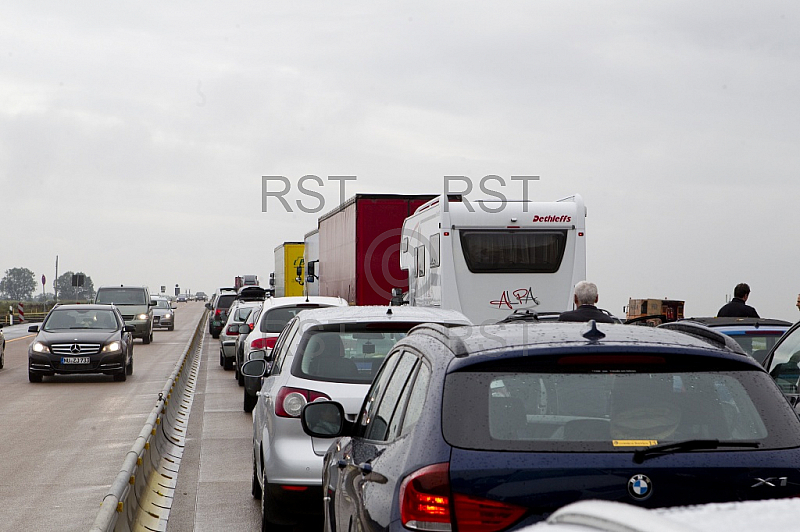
[(490, 258), (358, 248), (285, 280)]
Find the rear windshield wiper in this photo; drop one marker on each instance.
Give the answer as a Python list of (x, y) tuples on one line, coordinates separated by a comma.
[(689, 445)]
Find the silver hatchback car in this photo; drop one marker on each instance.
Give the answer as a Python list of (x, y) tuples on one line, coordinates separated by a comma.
[(324, 354)]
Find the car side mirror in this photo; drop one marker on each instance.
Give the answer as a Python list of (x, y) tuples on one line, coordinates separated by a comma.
[(129, 328), (33, 328), (173, 307), (208, 306), (153, 303), (244, 328), (323, 419), (260, 354)]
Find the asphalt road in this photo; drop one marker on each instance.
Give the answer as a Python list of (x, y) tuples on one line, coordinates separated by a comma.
[(64, 440)]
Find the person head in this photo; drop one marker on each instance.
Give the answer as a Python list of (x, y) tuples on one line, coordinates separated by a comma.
[(585, 293), (741, 291), (798, 301)]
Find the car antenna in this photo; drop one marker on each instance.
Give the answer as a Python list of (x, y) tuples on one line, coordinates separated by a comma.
[(594, 334)]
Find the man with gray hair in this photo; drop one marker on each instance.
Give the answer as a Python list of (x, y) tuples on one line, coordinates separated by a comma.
[(585, 299)]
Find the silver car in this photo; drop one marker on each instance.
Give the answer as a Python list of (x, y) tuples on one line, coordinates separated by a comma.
[(324, 354), (163, 314), (237, 315)]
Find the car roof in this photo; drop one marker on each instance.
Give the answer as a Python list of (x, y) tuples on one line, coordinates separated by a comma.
[(740, 323), (509, 337), (271, 302), (383, 313), (140, 287), (81, 306)]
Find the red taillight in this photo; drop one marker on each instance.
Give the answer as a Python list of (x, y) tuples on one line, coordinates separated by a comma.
[(289, 402), (425, 497), (474, 514), (217, 313), (264, 343), (251, 325)]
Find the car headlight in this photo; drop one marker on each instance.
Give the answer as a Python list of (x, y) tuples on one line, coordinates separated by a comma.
[(141, 316), (167, 315), (39, 347), (113, 347)]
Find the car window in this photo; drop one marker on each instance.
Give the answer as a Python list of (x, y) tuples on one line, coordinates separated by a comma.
[(121, 296), (282, 350), (378, 427), (225, 300), (375, 391), (784, 364), (64, 319), (275, 319), (552, 409), (351, 353), (416, 400)]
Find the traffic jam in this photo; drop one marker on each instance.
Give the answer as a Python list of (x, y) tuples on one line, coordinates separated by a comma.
[(423, 362)]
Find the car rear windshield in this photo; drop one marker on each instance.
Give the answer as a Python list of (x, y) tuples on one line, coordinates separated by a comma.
[(121, 296), (225, 300), (515, 251), (569, 405), (275, 319), (346, 353)]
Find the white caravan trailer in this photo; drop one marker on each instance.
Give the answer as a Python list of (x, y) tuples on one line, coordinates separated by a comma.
[(489, 258)]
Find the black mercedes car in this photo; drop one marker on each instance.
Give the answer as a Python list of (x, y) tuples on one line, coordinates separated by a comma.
[(81, 339)]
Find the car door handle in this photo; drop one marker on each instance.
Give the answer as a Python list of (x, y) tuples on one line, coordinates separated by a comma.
[(365, 468), (341, 463)]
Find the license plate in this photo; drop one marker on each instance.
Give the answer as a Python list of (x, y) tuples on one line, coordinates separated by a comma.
[(75, 360)]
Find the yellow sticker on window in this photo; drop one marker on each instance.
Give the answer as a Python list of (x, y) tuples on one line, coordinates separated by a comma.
[(633, 443)]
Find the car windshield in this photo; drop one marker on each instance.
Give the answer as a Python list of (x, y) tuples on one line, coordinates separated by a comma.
[(162, 303), (121, 296), (607, 411), (80, 319), (347, 354)]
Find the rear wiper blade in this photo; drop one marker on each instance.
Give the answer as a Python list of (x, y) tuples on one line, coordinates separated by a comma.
[(689, 445)]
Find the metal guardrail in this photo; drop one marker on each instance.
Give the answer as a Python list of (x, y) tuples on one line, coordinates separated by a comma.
[(141, 495)]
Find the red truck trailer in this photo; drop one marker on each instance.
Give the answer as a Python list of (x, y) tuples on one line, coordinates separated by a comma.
[(359, 247)]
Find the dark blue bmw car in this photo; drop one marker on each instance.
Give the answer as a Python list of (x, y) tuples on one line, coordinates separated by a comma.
[(494, 428)]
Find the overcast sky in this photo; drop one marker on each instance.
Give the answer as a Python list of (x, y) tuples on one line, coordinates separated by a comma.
[(133, 136)]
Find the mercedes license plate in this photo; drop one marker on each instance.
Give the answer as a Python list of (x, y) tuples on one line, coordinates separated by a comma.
[(74, 360)]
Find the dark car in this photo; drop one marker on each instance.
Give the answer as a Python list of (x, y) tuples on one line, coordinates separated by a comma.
[(219, 310), (81, 339), (495, 427), (757, 336), (135, 305)]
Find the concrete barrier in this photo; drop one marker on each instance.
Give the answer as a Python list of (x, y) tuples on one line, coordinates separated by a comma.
[(141, 495)]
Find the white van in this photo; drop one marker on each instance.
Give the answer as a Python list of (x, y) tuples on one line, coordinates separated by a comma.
[(490, 258)]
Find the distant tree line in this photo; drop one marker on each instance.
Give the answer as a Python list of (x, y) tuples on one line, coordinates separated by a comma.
[(19, 284)]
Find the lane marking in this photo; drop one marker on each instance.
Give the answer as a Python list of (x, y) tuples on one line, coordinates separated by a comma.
[(20, 338)]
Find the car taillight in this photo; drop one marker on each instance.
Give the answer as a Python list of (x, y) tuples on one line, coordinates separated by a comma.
[(290, 401), (263, 343), (217, 313), (425, 505), (475, 514), (251, 326), (425, 499), (232, 330)]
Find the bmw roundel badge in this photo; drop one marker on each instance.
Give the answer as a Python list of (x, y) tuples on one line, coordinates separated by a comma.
[(640, 487)]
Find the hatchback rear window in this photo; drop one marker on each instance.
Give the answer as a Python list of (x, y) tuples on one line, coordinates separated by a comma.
[(351, 353), (275, 319), (578, 408), (225, 300)]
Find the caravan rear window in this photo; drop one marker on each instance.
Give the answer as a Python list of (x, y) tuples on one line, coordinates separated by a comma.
[(515, 251)]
